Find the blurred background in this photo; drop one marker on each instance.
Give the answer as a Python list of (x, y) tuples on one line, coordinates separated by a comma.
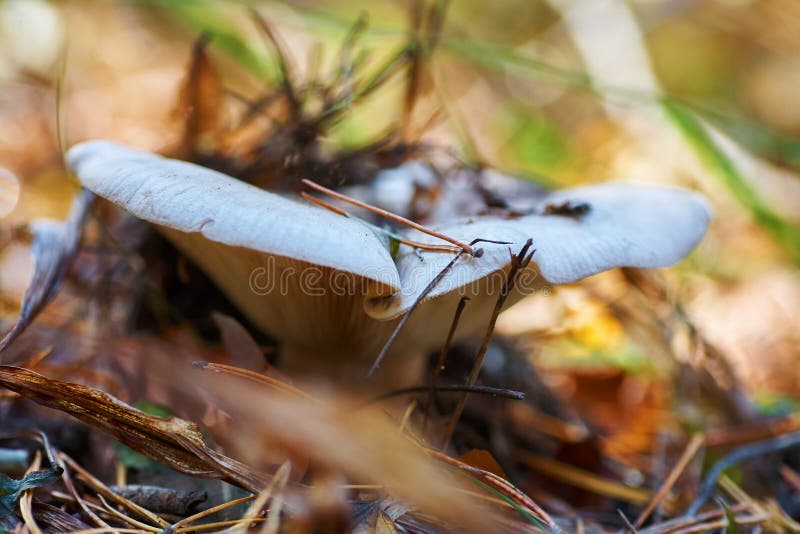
[(703, 94)]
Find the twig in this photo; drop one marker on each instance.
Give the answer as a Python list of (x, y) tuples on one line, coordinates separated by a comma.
[(441, 360), (683, 522), (791, 477), (580, 478), (416, 244), (735, 491), (259, 378), (692, 447), (413, 74), (322, 204), (102, 489), (26, 500), (519, 262), (283, 67), (500, 485), (722, 523), (627, 522), (456, 388), (436, 18), (389, 215), (129, 520), (67, 479), (734, 457), (412, 406), (180, 525), (343, 79), (273, 520), (219, 525), (334, 108), (732, 436), (104, 530), (278, 482), (433, 283)]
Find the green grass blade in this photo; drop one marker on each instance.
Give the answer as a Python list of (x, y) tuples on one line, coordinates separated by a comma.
[(211, 17), (697, 137), (527, 515)]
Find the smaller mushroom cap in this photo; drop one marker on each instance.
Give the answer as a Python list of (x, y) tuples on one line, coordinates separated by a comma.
[(613, 225)]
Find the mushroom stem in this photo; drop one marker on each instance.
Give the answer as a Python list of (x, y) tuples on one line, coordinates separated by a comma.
[(389, 215)]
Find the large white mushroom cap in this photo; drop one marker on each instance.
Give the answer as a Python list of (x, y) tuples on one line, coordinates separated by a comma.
[(193, 199), (348, 304)]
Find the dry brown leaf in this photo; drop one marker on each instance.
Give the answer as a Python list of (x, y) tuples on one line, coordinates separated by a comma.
[(55, 244), (499, 484), (483, 460), (54, 520), (174, 442), (242, 349), (363, 444), (201, 104)]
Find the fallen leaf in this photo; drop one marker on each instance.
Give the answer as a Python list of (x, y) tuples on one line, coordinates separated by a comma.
[(241, 347), (11, 489), (55, 520), (55, 244), (174, 442), (201, 104)]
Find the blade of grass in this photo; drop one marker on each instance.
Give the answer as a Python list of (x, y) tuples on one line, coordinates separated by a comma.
[(583, 479), (694, 445), (698, 138), (209, 16), (501, 488)]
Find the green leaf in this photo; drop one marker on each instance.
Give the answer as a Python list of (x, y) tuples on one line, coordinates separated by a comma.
[(394, 247), (504, 498), (152, 408), (733, 526), (695, 134), (758, 138), (129, 457), (536, 145), (11, 489)]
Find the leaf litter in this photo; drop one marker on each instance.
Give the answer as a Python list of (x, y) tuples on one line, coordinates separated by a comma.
[(326, 440)]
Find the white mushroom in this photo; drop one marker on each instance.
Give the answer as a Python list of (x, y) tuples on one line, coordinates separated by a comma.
[(326, 286), (619, 225)]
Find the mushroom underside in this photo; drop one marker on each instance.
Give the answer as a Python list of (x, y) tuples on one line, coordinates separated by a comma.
[(317, 313)]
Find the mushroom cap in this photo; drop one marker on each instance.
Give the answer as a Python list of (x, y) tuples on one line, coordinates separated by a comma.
[(193, 199), (617, 225)]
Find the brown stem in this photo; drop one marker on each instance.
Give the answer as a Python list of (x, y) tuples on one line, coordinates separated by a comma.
[(389, 215), (416, 244), (518, 262), (442, 358)]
